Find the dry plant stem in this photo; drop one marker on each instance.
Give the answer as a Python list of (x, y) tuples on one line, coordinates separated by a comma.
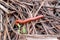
[(24, 3), (1, 27), (21, 15), (17, 36), (1, 0), (5, 34), (22, 37), (31, 15), (24, 6), (19, 4), (39, 8), (19, 12), (45, 27), (36, 14), (11, 25), (0, 36), (7, 28), (3, 8), (28, 26), (16, 17), (33, 23), (30, 30), (5, 3), (34, 30), (57, 7), (8, 1)]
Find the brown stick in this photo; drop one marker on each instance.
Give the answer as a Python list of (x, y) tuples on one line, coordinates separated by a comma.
[(5, 35), (0, 36)]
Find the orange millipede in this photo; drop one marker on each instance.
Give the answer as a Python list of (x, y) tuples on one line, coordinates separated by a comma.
[(29, 19)]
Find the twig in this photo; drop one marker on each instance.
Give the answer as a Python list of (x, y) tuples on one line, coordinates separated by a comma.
[(3, 8), (39, 8), (5, 35), (0, 36), (7, 28)]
